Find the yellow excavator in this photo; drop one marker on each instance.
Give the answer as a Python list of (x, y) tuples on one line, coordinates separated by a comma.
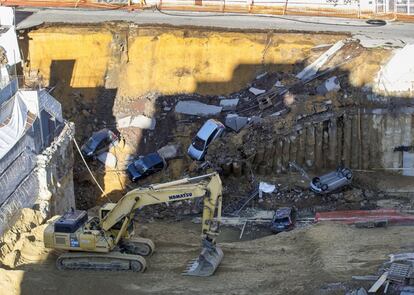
[(108, 242)]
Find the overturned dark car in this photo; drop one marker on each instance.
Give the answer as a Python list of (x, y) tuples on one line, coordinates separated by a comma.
[(99, 142), (145, 166), (332, 181)]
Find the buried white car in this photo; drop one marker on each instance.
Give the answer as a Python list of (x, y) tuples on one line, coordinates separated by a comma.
[(210, 131)]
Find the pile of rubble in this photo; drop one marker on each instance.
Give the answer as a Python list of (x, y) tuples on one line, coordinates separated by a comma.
[(395, 276)]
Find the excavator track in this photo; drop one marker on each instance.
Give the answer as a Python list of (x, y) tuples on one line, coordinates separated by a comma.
[(112, 261), (138, 246)]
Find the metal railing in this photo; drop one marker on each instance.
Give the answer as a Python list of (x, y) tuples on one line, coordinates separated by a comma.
[(402, 9)]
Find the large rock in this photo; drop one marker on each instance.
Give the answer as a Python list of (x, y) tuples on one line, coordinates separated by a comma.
[(229, 104), (139, 121), (170, 151), (236, 122)]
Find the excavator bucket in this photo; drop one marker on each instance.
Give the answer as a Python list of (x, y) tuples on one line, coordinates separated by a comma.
[(206, 263)]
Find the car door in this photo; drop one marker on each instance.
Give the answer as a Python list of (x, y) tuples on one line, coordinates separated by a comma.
[(210, 138)]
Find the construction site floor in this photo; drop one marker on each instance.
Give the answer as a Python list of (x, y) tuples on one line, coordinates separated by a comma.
[(320, 259)]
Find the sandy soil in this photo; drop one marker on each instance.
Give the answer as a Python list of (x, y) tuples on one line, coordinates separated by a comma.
[(316, 260)]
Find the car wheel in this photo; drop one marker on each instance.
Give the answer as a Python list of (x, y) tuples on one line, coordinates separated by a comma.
[(347, 173), (324, 187)]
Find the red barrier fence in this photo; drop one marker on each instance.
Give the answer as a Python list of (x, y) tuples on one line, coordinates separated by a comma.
[(355, 216)]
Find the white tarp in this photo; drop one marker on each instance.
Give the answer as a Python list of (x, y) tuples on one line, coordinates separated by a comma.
[(266, 187), (8, 38), (397, 76), (6, 16), (14, 129)]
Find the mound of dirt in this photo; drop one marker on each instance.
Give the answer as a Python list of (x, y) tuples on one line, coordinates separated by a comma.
[(10, 281), (23, 242)]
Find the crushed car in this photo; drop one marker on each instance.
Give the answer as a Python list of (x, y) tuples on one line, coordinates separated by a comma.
[(207, 133), (283, 220), (99, 142), (145, 166), (332, 181)]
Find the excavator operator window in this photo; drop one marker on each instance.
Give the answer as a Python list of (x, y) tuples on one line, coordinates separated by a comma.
[(117, 225)]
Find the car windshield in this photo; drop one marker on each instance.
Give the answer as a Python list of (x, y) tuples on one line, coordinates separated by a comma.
[(198, 143), (91, 143), (141, 166), (282, 220)]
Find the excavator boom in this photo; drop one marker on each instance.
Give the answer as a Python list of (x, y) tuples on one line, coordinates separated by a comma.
[(112, 232)]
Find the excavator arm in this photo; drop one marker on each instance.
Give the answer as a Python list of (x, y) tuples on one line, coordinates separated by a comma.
[(106, 243), (207, 186)]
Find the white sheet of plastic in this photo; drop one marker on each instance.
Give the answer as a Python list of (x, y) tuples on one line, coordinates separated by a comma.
[(397, 76), (8, 40), (6, 16), (267, 187), (13, 131)]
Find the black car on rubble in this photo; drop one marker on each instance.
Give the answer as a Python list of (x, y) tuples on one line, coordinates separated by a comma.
[(145, 166)]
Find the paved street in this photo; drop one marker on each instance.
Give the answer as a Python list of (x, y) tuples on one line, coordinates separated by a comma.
[(392, 34)]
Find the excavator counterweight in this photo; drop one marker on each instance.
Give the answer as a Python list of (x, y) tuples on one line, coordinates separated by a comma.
[(107, 242)]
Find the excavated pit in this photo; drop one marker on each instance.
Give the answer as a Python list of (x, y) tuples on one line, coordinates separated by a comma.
[(140, 70)]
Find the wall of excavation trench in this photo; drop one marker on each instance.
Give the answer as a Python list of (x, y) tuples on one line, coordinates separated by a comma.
[(365, 139)]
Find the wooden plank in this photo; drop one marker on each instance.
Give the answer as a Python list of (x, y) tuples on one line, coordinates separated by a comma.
[(378, 283)]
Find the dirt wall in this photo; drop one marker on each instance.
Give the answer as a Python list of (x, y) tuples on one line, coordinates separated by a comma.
[(167, 60)]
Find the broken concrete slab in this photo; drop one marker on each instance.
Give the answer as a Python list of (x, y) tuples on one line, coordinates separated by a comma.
[(279, 84), (279, 113), (256, 91), (123, 122), (143, 122), (108, 159), (235, 122), (229, 104), (378, 283), (139, 121), (255, 120), (170, 151), (397, 76), (261, 76), (195, 108), (331, 84), (312, 69)]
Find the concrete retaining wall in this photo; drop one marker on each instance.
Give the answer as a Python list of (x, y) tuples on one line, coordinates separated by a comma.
[(366, 139), (49, 187)]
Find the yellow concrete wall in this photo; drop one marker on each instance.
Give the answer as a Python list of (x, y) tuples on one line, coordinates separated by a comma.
[(212, 63), (169, 60), (90, 49)]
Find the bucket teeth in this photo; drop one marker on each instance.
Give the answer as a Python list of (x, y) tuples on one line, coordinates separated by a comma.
[(206, 263)]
